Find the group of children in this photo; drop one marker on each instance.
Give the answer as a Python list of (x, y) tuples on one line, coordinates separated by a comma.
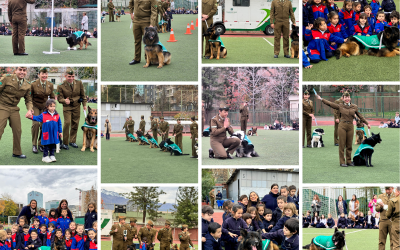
[(281, 226), (56, 233), (359, 221), (326, 27), (390, 123)]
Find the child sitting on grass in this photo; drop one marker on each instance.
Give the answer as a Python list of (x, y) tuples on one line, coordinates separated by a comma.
[(330, 222), (288, 237), (347, 16)]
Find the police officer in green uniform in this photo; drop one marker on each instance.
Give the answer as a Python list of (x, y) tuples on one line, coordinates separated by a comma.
[(132, 232), (347, 110), (178, 130), (12, 89), (111, 9), (164, 128), (145, 16), (131, 125), (244, 116), (337, 118), (385, 225), (209, 8), (165, 236), (41, 91), (308, 115), (71, 94), (280, 12), (393, 213), (126, 129), (149, 232), (117, 232), (154, 128), (142, 125), (193, 135)]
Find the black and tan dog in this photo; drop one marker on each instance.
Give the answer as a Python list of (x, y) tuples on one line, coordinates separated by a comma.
[(142, 140), (252, 240), (175, 247), (217, 48), (360, 134), (163, 27), (78, 38), (294, 46), (152, 141), (155, 51), (336, 242), (252, 131), (90, 130)]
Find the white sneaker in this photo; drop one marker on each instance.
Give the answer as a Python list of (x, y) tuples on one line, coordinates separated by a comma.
[(52, 158), (46, 159)]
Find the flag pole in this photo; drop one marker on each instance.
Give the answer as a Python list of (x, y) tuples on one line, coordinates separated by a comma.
[(51, 39)]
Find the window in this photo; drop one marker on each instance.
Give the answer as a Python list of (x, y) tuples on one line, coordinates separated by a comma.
[(243, 3), (53, 81)]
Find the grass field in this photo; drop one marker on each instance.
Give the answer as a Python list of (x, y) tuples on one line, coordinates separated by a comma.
[(127, 162), (73, 156), (251, 50), (118, 49), (365, 239), (274, 147), (35, 46), (321, 165), (107, 245)]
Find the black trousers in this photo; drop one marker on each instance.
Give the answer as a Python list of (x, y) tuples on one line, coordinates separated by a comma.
[(49, 150), (107, 136)]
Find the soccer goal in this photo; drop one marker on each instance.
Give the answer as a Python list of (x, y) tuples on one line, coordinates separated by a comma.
[(326, 195), (12, 220)]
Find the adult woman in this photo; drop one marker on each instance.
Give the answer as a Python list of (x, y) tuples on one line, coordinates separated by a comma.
[(372, 204), (64, 205), (316, 205), (85, 22), (254, 199), (341, 206), (308, 115), (354, 205), (269, 200), (107, 129), (346, 112), (29, 211)]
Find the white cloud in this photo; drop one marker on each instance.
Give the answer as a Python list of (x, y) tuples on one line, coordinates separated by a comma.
[(169, 197)]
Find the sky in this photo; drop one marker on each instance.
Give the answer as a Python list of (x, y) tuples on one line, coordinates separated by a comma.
[(54, 184), (169, 197)]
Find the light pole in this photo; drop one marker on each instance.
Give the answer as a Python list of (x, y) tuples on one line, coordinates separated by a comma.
[(80, 200)]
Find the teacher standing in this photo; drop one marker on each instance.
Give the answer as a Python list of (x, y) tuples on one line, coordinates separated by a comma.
[(85, 22), (269, 200), (346, 111), (341, 206), (64, 205), (29, 211)]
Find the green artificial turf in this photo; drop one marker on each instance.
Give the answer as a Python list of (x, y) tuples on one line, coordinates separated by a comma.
[(275, 147), (35, 46), (321, 165), (106, 245), (127, 162), (118, 49), (250, 50), (365, 239), (73, 156)]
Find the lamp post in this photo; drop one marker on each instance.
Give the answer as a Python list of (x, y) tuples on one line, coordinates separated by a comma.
[(80, 200)]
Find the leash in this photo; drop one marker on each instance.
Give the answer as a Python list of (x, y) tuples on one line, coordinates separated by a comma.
[(369, 132), (84, 112), (380, 42), (315, 92)]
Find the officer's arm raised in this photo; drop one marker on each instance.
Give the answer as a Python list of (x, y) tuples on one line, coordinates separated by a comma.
[(215, 130), (330, 104)]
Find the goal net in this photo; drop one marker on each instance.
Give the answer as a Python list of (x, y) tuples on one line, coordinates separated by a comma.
[(328, 203), (12, 220)]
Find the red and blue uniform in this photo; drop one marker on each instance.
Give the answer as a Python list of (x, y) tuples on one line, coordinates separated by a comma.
[(49, 238), (78, 242), (338, 31), (90, 244), (33, 227), (371, 21), (14, 241), (319, 11), (63, 223), (375, 5), (43, 220), (7, 243), (347, 19), (357, 16), (52, 220), (332, 7), (3, 245), (22, 240), (68, 244), (51, 127), (319, 49), (380, 26), (366, 30), (43, 237), (142, 246)]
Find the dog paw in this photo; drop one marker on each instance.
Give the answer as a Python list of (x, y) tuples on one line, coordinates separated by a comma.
[(83, 149), (145, 66), (159, 67), (91, 150)]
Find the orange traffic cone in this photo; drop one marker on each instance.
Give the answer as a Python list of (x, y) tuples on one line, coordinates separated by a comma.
[(197, 22), (172, 36), (192, 26), (188, 30)]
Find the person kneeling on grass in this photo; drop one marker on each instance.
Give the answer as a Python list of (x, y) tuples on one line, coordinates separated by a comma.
[(51, 129), (288, 237)]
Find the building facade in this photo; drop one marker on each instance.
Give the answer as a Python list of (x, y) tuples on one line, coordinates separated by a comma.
[(35, 195)]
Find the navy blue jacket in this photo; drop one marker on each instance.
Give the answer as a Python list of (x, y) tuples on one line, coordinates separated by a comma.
[(286, 244), (219, 196), (388, 5), (234, 226), (253, 204), (244, 207), (211, 243), (255, 225), (307, 220), (269, 201), (90, 217), (43, 238), (69, 214), (349, 222), (37, 243), (292, 200), (225, 216), (360, 220), (333, 8), (330, 222), (281, 223), (276, 215), (266, 224), (344, 207), (26, 211), (372, 220), (305, 15), (342, 222), (204, 226)]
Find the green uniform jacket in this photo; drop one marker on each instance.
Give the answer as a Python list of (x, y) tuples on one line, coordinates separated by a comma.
[(185, 239), (144, 11), (131, 126), (142, 126), (110, 6), (11, 92), (281, 11), (393, 212), (209, 8), (154, 125), (178, 129), (119, 235), (64, 91), (132, 233), (164, 127), (17, 8), (244, 113), (336, 112), (40, 95), (308, 108), (149, 234), (194, 130), (165, 235)]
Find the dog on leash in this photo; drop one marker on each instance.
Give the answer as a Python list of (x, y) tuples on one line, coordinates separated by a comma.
[(294, 46), (363, 155), (132, 138), (163, 23), (173, 148), (156, 53), (334, 242), (90, 130), (217, 47), (246, 147), (361, 135), (152, 141), (316, 141), (78, 38), (252, 240), (142, 140)]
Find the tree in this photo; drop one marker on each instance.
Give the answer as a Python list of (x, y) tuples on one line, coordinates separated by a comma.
[(187, 95), (147, 200), (212, 87), (161, 101), (207, 182), (10, 207), (186, 211)]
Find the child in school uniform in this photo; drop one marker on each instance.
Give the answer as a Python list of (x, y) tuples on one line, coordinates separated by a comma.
[(362, 28), (306, 22), (68, 239), (330, 4), (394, 22), (24, 237), (51, 129), (34, 241), (8, 242), (42, 217), (52, 217), (277, 214), (322, 222), (64, 221), (91, 241), (227, 207), (357, 10), (268, 223), (232, 227), (143, 244), (387, 7), (43, 234), (243, 201), (370, 17), (3, 238), (380, 22), (330, 222), (375, 7), (288, 237), (91, 215), (260, 211), (342, 221), (78, 241), (35, 225), (376, 225), (255, 218), (50, 234), (370, 221), (213, 237), (350, 221), (249, 222), (14, 238), (307, 219), (360, 221), (347, 16), (72, 227), (58, 242), (314, 220), (318, 9), (335, 28), (289, 211)]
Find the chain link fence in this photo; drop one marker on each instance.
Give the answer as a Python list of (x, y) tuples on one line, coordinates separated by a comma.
[(124, 5)]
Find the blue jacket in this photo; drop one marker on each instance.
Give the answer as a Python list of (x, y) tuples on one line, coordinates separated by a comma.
[(332, 8), (344, 207), (371, 21), (360, 221), (290, 199), (330, 222), (234, 226), (337, 31), (305, 60), (342, 222), (266, 224), (26, 211), (367, 30), (211, 243), (63, 223), (78, 242), (219, 196), (276, 215), (380, 26), (90, 217), (43, 220), (306, 221), (388, 5), (305, 16), (375, 5), (33, 227), (3, 245), (255, 225), (8, 244), (51, 127), (310, 13), (319, 11), (348, 19), (36, 243), (286, 244), (281, 223), (22, 240), (244, 207), (204, 226), (90, 245), (43, 238), (225, 216), (269, 201)]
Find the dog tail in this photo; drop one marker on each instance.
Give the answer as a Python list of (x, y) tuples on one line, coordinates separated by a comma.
[(338, 53), (89, 44), (307, 246)]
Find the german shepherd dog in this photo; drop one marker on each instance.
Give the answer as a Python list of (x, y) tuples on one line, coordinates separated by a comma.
[(252, 241), (90, 134), (154, 51), (163, 27), (215, 46), (172, 148), (360, 136), (152, 141), (316, 141), (141, 138), (132, 138), (294, 47), (252, 132), (175, 247), (74, 40), (390, 37), (364, 158), (337, 238)]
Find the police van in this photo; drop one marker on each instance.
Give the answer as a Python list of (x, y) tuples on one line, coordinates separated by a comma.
[(248, 15)]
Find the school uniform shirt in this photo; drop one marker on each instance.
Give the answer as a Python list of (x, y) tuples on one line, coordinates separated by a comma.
[(14, 241), (306, 221), (281, 223), (243, 207), (225, 216), (342, 222), (2, 245), (375, 5), (349, 222), (380, 26), (23, 240), (78, 242), (43, 237), (234, 226), (63, 223), (68, 244), (371, 21), (319, 43), (290, 199), (291, 243), (43, 220), (211, 243), (276, 215), (37, 229), (255, 225), (49, 238), (319, 11), (347, 19), (332, 7), (366, 30), (204, 226), (90, 244), (51, 127), (36, 243), (90, 217), (53, 220), (330, 222), (7, 244), (266, 224)]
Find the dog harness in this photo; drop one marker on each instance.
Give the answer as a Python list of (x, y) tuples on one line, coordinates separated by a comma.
[(162, 46), (247, 139), (314, 134), (324, 242), (88, 126), (78, 34), (361, 148), (207, 130), (162, 22), (154, 141), (365, 133), (371, 42), (218, 40), (265, 244), (175, 148), (132, 136), (144, 139)]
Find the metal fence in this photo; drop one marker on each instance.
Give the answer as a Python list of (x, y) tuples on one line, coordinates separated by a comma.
[(124, 4), (329, 197)]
